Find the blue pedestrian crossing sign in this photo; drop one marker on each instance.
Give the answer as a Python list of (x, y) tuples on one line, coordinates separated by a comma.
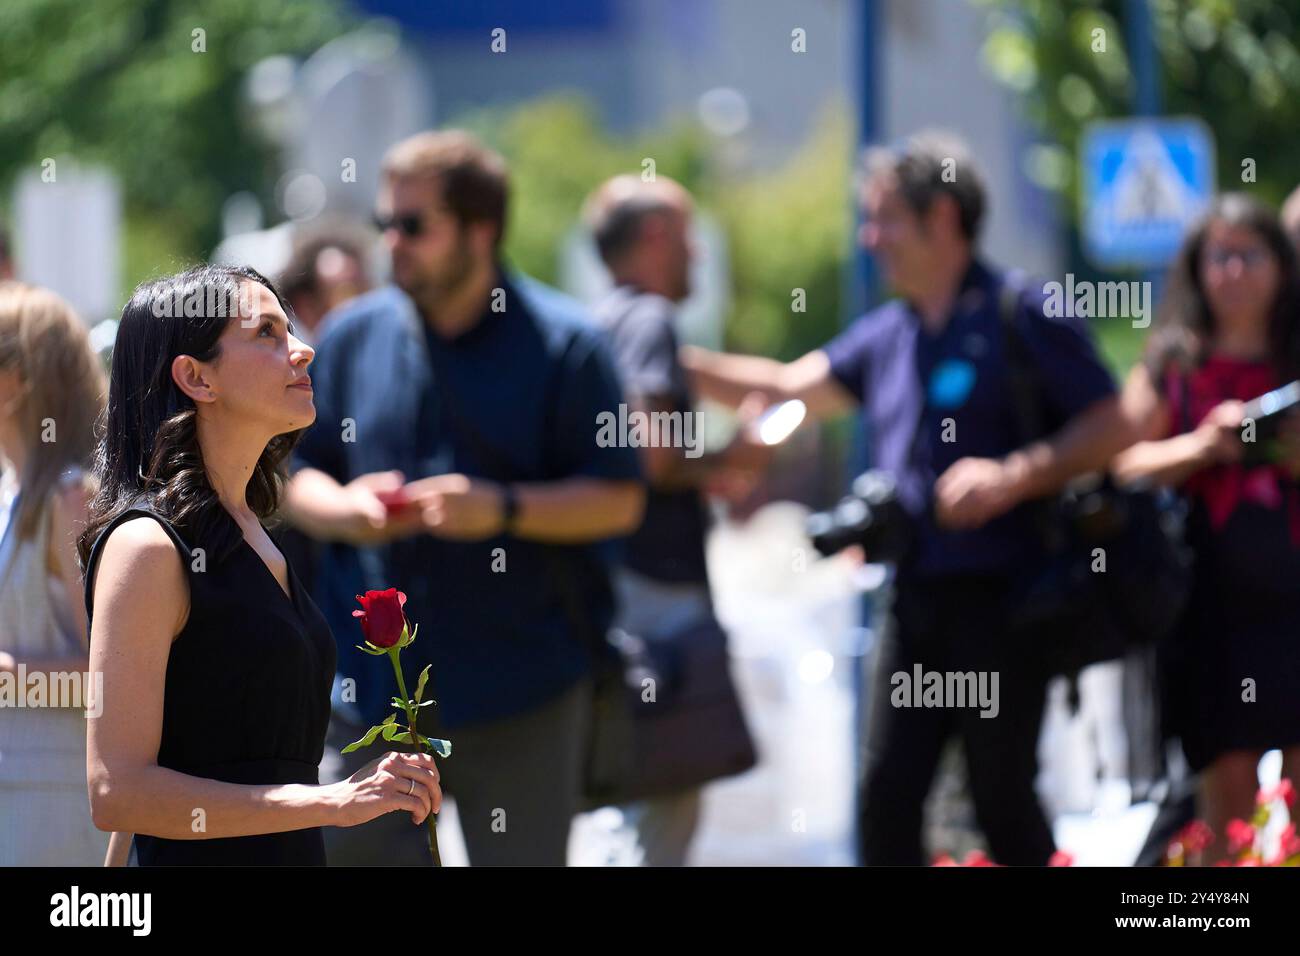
[(1144, 182)]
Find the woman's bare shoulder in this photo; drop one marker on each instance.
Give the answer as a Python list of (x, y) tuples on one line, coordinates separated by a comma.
[(141, 538), (139, 560)]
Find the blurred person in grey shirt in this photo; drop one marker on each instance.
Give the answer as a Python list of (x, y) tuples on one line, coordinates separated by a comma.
[(641, 230)]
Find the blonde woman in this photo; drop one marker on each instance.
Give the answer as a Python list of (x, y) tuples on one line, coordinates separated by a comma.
[(51, 390)]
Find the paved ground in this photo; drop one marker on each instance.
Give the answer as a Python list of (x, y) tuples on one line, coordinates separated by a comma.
[(795, 646)]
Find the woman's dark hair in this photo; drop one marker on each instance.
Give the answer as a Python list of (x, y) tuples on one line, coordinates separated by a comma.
[(147, 452), (1184, 323)]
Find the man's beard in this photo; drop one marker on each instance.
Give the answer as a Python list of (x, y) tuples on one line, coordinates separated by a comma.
[(431, 288)]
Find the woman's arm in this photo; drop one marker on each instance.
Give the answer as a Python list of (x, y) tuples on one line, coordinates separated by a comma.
[(51, 666), (141, 602), (69, 512), (1171, 461), (67, 516)]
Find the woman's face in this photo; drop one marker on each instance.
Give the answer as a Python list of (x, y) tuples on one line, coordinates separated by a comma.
[(1239, 273), (261, 373)]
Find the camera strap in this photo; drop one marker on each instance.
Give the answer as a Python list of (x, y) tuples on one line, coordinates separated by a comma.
[(1026, 404)]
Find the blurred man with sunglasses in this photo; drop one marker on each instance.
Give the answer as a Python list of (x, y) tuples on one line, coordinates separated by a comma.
[(454, 457)]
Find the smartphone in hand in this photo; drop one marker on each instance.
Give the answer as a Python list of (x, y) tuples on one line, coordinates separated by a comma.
[(393, 501)]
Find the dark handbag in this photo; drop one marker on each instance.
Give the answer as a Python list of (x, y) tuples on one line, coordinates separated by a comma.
[(665, 715), (608, 762), (1117, 579), (1117, 573), (688, 727)]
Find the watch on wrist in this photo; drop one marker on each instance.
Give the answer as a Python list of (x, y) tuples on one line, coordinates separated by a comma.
[(509, 507)]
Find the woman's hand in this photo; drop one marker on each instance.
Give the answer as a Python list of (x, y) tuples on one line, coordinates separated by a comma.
[(1219, 434), (385, 785)]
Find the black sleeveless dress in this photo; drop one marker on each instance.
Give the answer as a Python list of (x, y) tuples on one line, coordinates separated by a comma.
[(247, 695)]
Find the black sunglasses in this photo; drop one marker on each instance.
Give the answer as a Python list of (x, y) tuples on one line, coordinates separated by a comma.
[(410, 225)]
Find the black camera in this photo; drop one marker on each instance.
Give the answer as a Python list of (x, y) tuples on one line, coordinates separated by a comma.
[(870, 516)]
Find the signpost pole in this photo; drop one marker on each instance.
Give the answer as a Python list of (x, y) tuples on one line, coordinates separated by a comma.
[(861, 291), (1145, 60)]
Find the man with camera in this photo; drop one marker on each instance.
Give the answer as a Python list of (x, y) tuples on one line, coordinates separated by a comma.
[(936, 371)]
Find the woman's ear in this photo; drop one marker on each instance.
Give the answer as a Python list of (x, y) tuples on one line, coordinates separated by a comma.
[(190, 377)]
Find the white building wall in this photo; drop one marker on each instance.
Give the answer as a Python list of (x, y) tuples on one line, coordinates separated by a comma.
[(932, 73)]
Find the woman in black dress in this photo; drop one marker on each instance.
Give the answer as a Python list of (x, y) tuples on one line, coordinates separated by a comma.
[(1229, 331), (216, 664)]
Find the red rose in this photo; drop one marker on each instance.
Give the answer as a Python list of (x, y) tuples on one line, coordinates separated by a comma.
[(382, 619)]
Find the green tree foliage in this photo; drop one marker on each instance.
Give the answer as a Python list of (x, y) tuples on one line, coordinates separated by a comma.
[(787, 228), (120, 82), (1233, 63), (790, 229)]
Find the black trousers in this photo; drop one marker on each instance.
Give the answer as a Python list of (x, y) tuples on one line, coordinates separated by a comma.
[(952, 625)]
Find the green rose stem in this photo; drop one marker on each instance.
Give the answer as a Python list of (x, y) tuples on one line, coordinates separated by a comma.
[(412, 716)]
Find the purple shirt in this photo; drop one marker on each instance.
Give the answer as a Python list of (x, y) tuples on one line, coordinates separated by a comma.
[(917, 389)]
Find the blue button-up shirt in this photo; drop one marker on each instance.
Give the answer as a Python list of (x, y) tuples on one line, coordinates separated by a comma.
[(529, 381)]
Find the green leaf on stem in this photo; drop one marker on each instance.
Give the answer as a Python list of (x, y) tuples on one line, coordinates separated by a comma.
[(365, 741), (419, 685), (441, 747)]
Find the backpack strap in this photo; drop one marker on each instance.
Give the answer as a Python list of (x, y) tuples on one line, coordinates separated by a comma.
[(1026, 400), (1022, 372)]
